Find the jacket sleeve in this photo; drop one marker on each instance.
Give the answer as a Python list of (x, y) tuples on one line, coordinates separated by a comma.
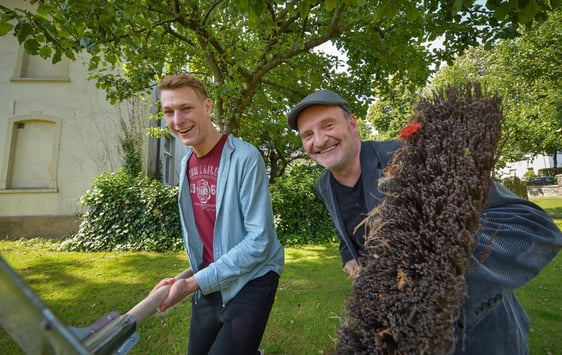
[(345, 252), (517, 239)]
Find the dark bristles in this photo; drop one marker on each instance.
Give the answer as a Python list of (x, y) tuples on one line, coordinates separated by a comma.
[(410, 290)]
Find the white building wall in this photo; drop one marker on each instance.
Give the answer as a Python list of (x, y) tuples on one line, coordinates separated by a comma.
[(89, 131), (536, 163)]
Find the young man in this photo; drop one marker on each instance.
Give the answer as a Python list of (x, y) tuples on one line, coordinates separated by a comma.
[(522, 237), (227, 225)]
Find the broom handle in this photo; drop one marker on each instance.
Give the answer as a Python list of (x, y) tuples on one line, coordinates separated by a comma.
[(148, 306)]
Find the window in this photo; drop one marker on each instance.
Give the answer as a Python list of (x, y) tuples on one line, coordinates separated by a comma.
[(34, 68), (168, 160), (31, 153)]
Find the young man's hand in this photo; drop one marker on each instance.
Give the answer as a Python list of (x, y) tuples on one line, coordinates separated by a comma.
[(180, 289)]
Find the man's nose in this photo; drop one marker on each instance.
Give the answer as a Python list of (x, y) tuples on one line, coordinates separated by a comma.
[(172, 120), (177, 117), (320, 139)]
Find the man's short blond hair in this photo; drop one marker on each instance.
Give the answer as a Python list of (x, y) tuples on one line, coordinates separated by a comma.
[(180, 80)]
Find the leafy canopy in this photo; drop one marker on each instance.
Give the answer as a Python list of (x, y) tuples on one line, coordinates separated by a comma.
[(258, 56), (525, 71)]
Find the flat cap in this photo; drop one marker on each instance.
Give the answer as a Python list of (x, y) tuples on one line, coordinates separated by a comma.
[(322, 97)]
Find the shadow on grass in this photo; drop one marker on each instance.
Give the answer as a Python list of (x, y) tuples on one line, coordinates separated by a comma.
[(553, 206), (99, 283), (555, 212)]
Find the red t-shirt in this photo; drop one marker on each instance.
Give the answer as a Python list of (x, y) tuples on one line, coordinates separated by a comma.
[(202, 173)]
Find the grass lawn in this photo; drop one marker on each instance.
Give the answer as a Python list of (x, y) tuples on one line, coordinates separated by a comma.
[(542, 297), (551, 205), (80, 288)]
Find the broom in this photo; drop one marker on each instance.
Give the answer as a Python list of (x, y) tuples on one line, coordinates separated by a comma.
[(409, 292)]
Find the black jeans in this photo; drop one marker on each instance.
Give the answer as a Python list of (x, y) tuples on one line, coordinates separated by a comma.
[(237, 327)]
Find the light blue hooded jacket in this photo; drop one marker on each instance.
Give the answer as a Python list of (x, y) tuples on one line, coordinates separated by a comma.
[(245, 242)]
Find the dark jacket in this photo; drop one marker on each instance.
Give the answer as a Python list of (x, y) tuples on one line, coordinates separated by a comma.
[(374, 157), (517, 239)]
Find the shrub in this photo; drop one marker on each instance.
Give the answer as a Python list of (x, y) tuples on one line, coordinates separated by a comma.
[(126, 212), (529, 174), (300, 216), (517, 186)]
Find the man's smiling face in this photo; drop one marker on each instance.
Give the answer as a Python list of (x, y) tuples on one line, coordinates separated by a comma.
[(328, 135), (187, 115)]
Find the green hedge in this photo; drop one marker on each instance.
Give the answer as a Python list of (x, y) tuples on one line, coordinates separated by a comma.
[(548, 171), (300, 216), (516, 185), (127, 212)]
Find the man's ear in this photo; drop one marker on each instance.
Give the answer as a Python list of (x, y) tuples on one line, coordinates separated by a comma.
[(208, 106), (354, 126)]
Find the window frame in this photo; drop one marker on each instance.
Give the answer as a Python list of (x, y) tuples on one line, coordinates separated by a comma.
[(6, 172)]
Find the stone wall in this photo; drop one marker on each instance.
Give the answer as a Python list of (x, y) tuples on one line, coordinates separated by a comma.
[(17, 227), (545, 191)]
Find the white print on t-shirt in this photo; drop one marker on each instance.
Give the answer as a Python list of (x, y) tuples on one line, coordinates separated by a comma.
[(204, 191), (204, 183)]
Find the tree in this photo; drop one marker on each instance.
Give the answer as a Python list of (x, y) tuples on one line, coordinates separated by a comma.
[(258, 55), (527, 73), (539, 65), (391, 111)]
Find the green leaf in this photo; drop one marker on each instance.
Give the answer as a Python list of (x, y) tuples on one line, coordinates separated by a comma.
[(70, 54), (23, 30), (45, 52), (94, 63), (5, 27), (386, 9), (457, 6), (331, 4), (31, 46), (412, 12), (57, 57), (304, 9), (527, 14), (44, 10), (502, 10), (111, 58), (492, 4)]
